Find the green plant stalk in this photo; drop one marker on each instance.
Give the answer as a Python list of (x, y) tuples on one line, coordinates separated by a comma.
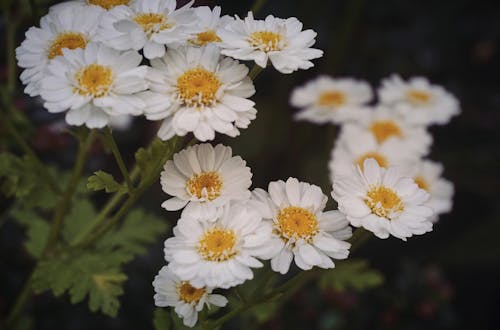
[(11, 26), (21, 300), (108, 137), (257, 6), (255, 71)]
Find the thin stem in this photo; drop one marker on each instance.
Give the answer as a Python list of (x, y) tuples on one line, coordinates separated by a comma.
[(258, 5), (108, 137), (21, 300), (255, 71), (11, 26)]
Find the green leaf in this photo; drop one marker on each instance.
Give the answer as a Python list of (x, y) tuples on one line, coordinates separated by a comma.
[(354, 274), (161, 319), (264, 312), (102, 180), (18, 176), (37, 230), (150, 160), (82, 212)]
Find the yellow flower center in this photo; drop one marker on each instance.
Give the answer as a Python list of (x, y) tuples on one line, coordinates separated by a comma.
[(152, 22), (421, 183), (381, 160), (189, 294), (94, 80), (266, 41), (108, 4), (418, 97), (384, 129), (206, 37), (384, 202), (217, 245), (198, 87), (206, 185), (296, 223), (70, 40), (332, 99)]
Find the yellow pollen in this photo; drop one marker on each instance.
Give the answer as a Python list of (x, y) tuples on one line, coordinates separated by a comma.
[(384, 202), (94, 80), (108, 4), (217, 245), (266, 41), (296, 223), (332, 99), (152, 22), (381, 160), (198, 87), (418, 97), (421, 183), (189, 294), (206, 37), (206, 185), (384, 129), (70, 40)]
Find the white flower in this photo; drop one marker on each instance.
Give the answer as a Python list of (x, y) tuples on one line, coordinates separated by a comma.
[(329, 100), (196, 90), (281, 41), (205, 178), (102, 5), (383, 201), (428, 176), (209, 23), (187, 300), (417, 101), (94, 84), (147, 24), (219, 253), (301, 230), (65, 27)]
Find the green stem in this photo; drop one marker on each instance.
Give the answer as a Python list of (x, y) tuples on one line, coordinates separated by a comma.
[(257, 6), (108, 137), (11, 26), (255, 71), (21, 300)]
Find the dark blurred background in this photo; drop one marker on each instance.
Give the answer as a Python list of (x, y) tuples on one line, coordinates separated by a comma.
[(446, 279)]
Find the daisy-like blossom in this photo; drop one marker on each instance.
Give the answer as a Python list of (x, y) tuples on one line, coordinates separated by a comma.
[(187, 300), (103, 5), (302, 231), (418, 101), (195, 89), (354, 146), (219, 253), (384, 126), (280, 41), (383, 201), (203, 179), (329, 100), (94, 84), (65, 27), (149, 25), (209, 23), (428, 175)]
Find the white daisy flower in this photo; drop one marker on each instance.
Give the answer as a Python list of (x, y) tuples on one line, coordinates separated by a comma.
[(94, 84), (383, 201), (187, 300), (68, 27), (428, 176), (281, 41), (301, 230), (204, 179), (103, 5), (219, 253), (417, 101), (149, 25), (329, 100), (196, 90), (209, 23)]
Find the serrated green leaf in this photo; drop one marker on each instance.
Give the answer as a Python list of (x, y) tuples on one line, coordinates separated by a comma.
[(82, 212), (102, 180), (37, 230), (151, 159), (18, 175), (354, 274), (161, 319)]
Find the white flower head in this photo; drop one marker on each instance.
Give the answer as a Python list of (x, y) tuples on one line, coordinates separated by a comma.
[(94, 84), (383, 201), (417, 101), (329, 100), (196, 90), (187, 300), (280, 41), (209, 23), (219, 253), (204, 179), (102, 5), (301, 229), (149, 25), (65, 27)]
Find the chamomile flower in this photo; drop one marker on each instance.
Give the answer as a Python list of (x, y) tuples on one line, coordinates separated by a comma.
[(383, 201), (187, 300), (147, 24), (209, 23), (219, 253), (94, 84), (196, 90), (280, 41), (417, 101), (67, 27), (103, 5), (329, 100), (203, 179), (301, 229)]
